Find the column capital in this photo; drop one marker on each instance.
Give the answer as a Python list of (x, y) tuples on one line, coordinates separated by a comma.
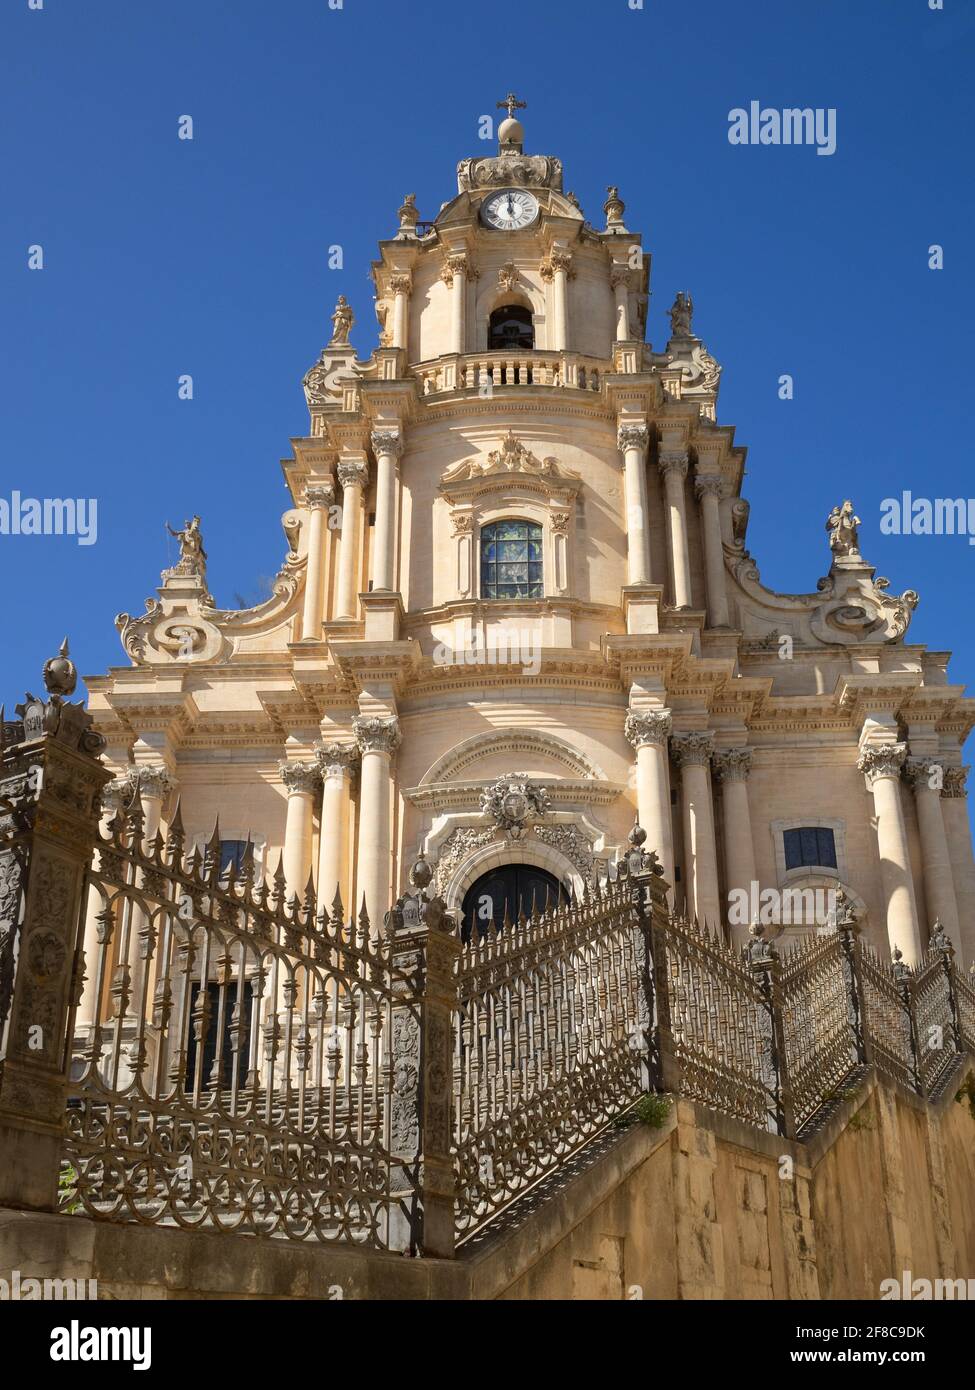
[(732, 764), (319, 495), (375, 735), (353, 473), (456, 263), (692, 750), (300, 777), (955, 778), (881, 760), (632, 436), (917, 771), (337, 759), (555, 261), (154, 781), (647, 726), (673, 461), (116, 794), (387, 441), (619, 275), (708, 485), (400, 284)]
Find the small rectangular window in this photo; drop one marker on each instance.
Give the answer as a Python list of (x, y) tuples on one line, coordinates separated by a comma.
[(810, 847), (232, 853)]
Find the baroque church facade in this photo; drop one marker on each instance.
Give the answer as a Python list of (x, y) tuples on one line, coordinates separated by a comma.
[(517, 610)]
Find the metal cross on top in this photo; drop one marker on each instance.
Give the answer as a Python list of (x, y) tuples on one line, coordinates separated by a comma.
[(513, 104)]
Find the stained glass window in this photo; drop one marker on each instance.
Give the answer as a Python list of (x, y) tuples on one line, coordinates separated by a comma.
[(511, 560)]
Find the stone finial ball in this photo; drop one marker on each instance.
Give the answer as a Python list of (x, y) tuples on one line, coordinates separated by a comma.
[(421, 873), (511, 131), (60, 673)]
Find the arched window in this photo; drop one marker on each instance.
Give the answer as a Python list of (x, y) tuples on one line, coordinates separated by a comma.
[(510, 327), (511, 560)]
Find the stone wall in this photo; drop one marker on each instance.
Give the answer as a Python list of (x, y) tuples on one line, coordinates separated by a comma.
[(702, 1208)]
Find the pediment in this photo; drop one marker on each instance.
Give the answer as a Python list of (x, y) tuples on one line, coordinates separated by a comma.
[(512, 463)]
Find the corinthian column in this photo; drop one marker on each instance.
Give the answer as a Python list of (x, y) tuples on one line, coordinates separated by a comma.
[(692, 754), (632, 440), (378, 740), (318, 499), (556, 270), (881, 765), (454, 275), (954, 808), (302, 781), (619, 278), (673, 468), (400, 286), (732, 766), (353, 475), (648, 730), (336, 762), (927, 778), (387, 446), (708, 489)]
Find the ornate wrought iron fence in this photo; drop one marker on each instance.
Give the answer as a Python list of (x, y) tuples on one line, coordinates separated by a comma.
[(937, 1037), (887, 1021), (551, 1044), (819, 1023), (253, 1064), (241, 1079), (720, 1026)]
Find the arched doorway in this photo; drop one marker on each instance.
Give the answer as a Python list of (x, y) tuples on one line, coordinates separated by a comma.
[(512, 887)]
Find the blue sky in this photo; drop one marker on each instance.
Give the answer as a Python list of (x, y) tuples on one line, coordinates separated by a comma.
[(164, 257)]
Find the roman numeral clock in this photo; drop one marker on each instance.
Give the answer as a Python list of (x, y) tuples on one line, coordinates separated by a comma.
[(509, 210)]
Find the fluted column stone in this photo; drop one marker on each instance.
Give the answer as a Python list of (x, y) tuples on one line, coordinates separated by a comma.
[(353, 474), (708, 486), (401, 285), (336, 762), (732, 767), (692, 754), (377, 739), (647, 731), (318, 499), (926, 776), (673, 469), (881, 766), (388, 447), (954, 808), (632, 441), (302, 781)]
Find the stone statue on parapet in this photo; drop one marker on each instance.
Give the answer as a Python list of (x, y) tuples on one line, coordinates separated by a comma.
[(192, 556), (681, 312), (342, 321), (843, 527)]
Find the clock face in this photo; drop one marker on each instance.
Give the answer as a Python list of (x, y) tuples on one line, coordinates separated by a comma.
[(509, 210)]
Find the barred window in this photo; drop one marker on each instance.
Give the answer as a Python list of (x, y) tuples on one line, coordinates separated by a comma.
[(511, 560), (810, 846)]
